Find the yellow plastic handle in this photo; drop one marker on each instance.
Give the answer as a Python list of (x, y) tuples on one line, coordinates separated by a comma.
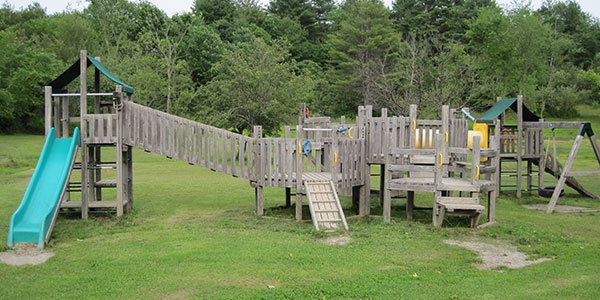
[(299, 149), (446, 137), (335, 157), (414, 125), (441, 159), (478, 172), (350, 133)]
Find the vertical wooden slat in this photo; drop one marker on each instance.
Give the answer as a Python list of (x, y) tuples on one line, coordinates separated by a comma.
[(242, 147), (181, 140), (223, 151)]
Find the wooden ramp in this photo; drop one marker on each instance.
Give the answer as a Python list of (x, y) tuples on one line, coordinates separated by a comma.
[(323, 201)]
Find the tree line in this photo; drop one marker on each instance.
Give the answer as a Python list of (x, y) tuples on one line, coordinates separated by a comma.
[(235, 63)]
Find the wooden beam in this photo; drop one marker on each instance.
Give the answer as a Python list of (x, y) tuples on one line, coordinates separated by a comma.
[(519, 145), (552, 124), (83, 130), (563, 176), (48, 108)]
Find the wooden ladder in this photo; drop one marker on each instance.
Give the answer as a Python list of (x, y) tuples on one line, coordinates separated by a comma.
[(324, 204)]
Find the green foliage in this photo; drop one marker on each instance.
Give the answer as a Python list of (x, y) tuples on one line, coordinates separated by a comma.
[(444, 19), (568, 18), (256, 84), (590, 81), (23, 70), (455, 52), (219, 14), (361, 48), (203, 47)]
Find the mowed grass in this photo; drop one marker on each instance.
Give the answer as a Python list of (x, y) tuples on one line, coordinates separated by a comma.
[(193, 234)]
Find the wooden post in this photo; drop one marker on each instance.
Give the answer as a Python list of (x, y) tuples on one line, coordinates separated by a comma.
[(258, 188), (84, 134), (542, 161), (301, 113), (97, 152), (385, 197), (128, 156), (299, 171), (519, 144), (128, 191), (445, 123), (496, 162), (357, 202), (364, 207), (65, 116), (97, 88), (48, 108), (288, 190), (121, 162), (385, 146), (413, 126), (56, 115), (333, 157)]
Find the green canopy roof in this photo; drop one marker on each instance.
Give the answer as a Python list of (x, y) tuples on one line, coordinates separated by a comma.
[(501, 106), (74, 71)]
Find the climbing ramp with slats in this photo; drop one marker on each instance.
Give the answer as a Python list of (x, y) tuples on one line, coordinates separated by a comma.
[(323, 201)]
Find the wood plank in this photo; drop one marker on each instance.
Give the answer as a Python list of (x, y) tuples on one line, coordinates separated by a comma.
[(563, 177), (583, 173), (451, 207)]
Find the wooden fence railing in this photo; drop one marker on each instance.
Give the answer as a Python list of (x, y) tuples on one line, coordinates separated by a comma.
[(182, 139), (406, 133), (100, 128), (532, 142), (265, 161)]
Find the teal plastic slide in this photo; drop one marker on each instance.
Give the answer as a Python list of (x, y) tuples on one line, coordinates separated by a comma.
[(34, 219)]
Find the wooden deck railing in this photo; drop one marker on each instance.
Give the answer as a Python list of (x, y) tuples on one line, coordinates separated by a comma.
[(182, 139), (532, 141), (99, 129), (403, 133), (265, 161)]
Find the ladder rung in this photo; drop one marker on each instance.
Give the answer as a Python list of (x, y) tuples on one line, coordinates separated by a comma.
[(330, 220), (106, 183), (319, 193), (327, 210), (323, 201)]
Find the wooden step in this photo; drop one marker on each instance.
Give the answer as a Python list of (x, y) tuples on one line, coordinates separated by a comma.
[(451, 207), (106, 183), (458, 200)]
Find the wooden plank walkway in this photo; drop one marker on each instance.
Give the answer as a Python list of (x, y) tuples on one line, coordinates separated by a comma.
[(323, 201)]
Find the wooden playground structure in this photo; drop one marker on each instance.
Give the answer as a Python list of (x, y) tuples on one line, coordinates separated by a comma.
[(523, 143), (323, 158)]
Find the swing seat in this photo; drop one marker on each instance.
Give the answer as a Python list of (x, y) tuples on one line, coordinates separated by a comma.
[(547, 191)]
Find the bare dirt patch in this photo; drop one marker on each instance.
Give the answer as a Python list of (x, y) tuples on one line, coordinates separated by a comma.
[(497, 254), (337, 240), (25, 254), (561, 208)]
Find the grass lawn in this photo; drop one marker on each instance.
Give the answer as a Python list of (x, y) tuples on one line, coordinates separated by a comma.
[(193, 234)]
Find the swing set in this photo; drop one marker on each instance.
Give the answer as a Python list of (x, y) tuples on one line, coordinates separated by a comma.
[(524, 143)]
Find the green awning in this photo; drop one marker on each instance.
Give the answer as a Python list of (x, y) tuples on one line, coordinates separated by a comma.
[(74, 71), (501, 106)]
